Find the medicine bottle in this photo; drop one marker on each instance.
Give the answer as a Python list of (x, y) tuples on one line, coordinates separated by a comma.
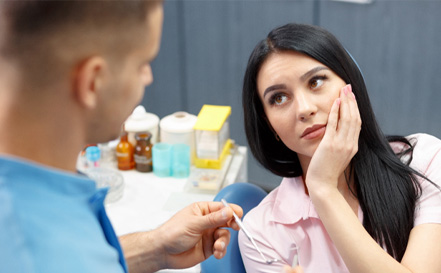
[(143, 152), (93, 155), (142, 121), (125, 152)]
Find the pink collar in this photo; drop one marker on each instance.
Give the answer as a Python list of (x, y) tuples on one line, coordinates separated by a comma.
[(292, 203)]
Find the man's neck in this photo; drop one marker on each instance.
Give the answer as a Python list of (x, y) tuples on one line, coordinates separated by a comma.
[(48, 136)]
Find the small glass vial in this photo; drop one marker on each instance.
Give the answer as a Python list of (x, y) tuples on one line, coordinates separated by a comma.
[(143, 152), (93, 155), (124, 153)]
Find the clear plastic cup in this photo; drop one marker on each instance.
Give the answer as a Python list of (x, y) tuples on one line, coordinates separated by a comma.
[(162, 159), (181, 160)]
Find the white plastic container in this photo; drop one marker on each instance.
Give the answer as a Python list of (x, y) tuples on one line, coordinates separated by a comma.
[(141, 121), (178, 128)]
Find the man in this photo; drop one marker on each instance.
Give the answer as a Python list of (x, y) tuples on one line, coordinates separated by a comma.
[(70, 74)]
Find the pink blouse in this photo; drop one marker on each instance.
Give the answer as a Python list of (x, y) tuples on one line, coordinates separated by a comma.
[(286, 218)]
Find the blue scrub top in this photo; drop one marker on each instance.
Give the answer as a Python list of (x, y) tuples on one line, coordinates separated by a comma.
[(53, 221)]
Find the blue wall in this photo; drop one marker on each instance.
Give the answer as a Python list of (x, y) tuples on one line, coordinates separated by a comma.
[(206, 45)]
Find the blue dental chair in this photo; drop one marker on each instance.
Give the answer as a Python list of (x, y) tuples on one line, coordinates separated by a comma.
[(247, 196)]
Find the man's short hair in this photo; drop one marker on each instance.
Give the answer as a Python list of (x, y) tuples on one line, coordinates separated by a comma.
[(42, 37)]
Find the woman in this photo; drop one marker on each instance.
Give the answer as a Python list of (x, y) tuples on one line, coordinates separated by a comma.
[(352, 200)]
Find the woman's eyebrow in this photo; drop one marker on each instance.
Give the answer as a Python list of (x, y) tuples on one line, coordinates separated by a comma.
[(312, 72), (273, 87)]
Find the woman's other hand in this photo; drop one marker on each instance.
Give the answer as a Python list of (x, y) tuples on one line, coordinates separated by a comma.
[(288, 269)]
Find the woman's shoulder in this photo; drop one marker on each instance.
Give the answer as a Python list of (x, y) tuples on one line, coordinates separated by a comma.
[(426, 155), (427, 160), (265, 207), (425, 140), (426, 150)]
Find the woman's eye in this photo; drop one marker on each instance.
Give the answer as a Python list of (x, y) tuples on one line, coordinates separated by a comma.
[(317, 82), (278, 99)]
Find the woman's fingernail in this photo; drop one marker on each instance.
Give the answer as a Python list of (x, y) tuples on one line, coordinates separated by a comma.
[(345, 90), (222, 245)]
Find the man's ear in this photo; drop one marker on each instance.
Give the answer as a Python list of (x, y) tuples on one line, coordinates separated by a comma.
[(88, 81)]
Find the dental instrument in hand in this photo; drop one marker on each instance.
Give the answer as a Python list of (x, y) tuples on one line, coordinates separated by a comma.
[(245, 231), (295, 261)]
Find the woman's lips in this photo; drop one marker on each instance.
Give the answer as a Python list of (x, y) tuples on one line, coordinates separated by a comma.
[(314, 131)]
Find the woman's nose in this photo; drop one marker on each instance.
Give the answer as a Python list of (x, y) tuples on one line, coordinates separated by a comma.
[(305, 107)]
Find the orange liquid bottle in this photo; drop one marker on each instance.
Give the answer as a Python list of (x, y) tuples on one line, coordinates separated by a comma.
[(124, 153)]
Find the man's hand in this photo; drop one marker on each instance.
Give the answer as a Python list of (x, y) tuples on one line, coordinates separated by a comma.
[(194, 234)]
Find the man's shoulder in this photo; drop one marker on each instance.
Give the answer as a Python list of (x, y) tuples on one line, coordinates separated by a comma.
[(14, 253), (50, 231)]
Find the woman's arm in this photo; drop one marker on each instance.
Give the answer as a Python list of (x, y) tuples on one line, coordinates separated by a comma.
[(357, 248), (362, 254)]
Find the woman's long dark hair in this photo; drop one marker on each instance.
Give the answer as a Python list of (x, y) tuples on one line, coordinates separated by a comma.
[(387, 189)]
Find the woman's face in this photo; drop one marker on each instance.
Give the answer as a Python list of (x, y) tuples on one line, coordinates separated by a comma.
[(297, 93)]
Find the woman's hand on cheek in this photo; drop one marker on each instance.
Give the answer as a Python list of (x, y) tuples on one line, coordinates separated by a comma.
[(339, 144)]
